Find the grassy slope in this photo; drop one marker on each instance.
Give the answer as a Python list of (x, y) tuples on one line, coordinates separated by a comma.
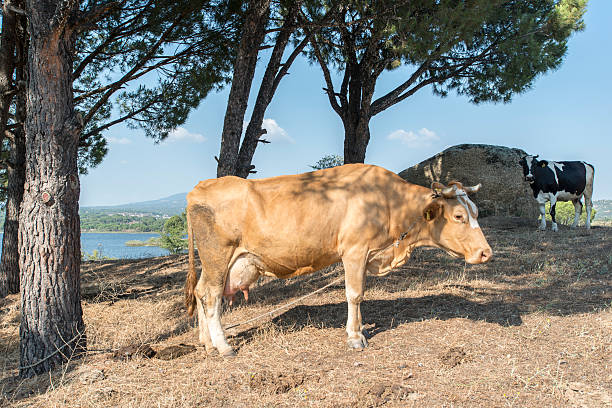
[(531, 328)]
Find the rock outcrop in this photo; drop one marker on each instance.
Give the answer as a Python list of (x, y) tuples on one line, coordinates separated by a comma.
[(503, 192)]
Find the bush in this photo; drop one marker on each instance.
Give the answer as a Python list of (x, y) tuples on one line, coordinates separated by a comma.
[(331, 160), (96, 255), (565, 213), (173, 234)]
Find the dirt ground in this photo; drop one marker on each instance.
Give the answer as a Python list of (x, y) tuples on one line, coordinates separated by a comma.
[(532, 328)]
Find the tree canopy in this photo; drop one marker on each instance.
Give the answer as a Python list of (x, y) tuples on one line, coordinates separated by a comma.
[(147, 63), (486, 50)]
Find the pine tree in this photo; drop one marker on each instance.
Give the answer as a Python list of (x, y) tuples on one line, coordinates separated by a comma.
[(483, 49)]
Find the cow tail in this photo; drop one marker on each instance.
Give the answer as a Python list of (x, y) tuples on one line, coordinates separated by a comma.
[(192, 278)]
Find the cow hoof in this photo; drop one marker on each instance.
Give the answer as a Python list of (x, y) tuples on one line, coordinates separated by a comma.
[(357, 343), (229, 353), (554, 228), (211, 352)]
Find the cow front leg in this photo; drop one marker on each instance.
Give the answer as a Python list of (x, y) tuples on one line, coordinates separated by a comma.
[(553, 213), (542, 208), (578, 211), (354, 280)]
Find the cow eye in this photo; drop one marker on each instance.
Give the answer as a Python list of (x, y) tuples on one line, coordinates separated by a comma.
[(459, 218)]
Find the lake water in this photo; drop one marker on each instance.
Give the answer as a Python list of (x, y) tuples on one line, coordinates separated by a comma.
[(112, 245)]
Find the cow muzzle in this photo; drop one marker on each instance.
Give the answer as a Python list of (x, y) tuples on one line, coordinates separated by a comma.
[(482, 255), (529, 178)]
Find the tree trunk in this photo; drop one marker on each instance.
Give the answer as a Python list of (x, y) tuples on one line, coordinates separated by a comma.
[(268, 86), (52, 329), (356, 139), (13, 48), (253, 34), (356, 114), (7, 62), (9, 262)]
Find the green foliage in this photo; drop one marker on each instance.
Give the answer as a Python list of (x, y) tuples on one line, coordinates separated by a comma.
[(330, 160), (172, 236), (487, 50), (147, 63), (96, 255), (101, 222), (565, 212), (151, 242)]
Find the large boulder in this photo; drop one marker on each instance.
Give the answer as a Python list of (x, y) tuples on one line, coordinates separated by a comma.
[(503, 192)]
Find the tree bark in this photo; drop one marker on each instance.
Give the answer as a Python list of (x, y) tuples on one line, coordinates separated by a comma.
[(269, 83), (253, 34), (356, 139), (52, 329), (9, 262), (355, 112), (7, 62)]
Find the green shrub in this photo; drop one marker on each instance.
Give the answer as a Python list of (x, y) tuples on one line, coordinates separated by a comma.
[(565, 213), (96, 255), (331, 160), (173, 234)]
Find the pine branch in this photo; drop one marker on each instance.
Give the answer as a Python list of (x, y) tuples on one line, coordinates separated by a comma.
[(129, 75), (88, 19), (326, 74), (129, 115)]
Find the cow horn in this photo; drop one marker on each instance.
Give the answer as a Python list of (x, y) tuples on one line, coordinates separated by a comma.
[(536, 156), (446, 192), (473, 189), (449, 192)]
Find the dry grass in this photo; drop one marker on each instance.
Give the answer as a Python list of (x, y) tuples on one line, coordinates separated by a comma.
[(531, 328)]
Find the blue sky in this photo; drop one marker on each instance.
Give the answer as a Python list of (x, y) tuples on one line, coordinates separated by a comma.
[(567, 115)]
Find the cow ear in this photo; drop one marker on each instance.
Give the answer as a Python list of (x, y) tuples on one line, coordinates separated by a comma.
[(542, 163), (433, 210)]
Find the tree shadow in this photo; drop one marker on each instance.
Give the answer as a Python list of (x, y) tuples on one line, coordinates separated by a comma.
[(383, 315)]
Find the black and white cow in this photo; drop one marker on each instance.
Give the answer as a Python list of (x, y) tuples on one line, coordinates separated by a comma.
[(559, 181)]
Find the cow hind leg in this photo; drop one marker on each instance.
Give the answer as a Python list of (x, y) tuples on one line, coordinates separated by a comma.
[(589, 207), (588, 194), (354, 278), (553, 207), (204, 334), (214, 294), (578, 210), (210, 293), (201, 292)]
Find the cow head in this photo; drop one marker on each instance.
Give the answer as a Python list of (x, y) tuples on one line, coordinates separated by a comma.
[(452, 222), (528, 163)]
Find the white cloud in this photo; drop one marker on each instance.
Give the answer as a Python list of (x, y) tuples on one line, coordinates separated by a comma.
[(119, 140), (275, 132), (420, 138), (180, 134)]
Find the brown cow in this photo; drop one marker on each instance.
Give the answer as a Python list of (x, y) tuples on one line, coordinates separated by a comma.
[(363, 215)]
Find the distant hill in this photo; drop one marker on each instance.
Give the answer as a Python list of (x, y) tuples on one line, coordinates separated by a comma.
[(604, 209), (167, 206), (176, 203), (148, 216)]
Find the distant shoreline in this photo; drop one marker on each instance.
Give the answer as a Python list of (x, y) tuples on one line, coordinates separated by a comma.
[(118, 232)]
